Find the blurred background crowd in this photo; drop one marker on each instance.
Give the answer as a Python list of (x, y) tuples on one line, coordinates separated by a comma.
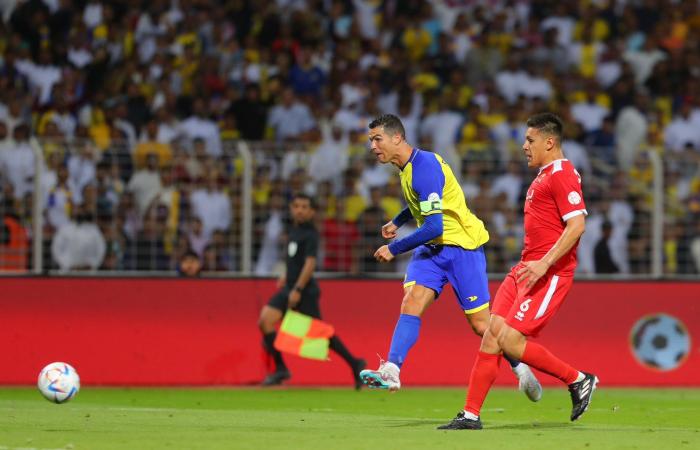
[(137, 108)]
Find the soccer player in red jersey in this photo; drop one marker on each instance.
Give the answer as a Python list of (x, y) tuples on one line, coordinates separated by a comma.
[(536, 287)]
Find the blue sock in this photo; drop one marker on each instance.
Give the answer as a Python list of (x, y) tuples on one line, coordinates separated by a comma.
[(405, 335), (512, 361)]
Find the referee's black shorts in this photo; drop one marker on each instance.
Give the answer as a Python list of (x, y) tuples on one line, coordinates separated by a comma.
[(308, 304)]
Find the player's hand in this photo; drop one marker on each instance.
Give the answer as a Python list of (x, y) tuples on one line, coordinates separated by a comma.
[(389, 230), (383, 254), (531, 272), (293, 299)]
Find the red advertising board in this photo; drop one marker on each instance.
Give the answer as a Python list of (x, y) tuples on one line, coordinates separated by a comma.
[(204, 332)]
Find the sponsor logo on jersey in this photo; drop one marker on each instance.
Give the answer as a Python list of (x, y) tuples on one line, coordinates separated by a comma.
[(472, 298), (292, 249)]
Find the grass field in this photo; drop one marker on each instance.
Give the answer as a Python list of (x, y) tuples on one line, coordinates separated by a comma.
[(339, 419)]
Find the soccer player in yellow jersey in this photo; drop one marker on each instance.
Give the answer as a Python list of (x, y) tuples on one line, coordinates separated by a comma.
[(448, 245)]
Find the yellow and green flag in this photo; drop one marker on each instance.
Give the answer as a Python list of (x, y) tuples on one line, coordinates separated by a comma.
[(304, 336)]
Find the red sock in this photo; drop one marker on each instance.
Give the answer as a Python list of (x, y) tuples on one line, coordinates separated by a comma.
[(541, 359), (483, 374)]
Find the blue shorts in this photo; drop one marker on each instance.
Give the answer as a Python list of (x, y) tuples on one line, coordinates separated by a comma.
[(433, 266)]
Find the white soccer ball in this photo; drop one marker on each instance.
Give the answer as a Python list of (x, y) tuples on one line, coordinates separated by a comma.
[(58, 382)]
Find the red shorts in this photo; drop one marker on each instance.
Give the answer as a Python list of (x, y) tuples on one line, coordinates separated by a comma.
[(528, 311)]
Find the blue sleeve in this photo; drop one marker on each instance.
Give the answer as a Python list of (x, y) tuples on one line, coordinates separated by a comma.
[(428, 182), (431, 229), (402, 217)]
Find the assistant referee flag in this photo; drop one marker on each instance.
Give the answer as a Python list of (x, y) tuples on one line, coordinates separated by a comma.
[(304, 336)]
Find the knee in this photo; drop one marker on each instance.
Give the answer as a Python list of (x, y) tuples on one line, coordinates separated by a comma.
[(479, 326), (410, 305)]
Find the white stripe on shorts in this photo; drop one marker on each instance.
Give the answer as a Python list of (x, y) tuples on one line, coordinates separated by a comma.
[(548, 296)]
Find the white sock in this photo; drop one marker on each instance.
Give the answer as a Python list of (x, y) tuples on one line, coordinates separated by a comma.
[(520, 369), (471, 416), (580, 377)]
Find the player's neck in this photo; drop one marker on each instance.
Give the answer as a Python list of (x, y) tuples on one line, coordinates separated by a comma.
[(551, 157), (403, 155)]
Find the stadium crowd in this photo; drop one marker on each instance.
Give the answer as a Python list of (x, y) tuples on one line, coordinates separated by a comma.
[(138, 106)]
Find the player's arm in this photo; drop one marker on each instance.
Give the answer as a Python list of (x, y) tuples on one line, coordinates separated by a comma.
[(428, 184), (534, 270), (389, 229), (569, 200), (307, 270)]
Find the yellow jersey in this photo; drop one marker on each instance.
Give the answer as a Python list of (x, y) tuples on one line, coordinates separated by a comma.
[(430, 187)]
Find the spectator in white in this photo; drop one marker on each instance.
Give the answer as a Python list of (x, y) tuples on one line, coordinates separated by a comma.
[(78, 245), (92, 14), (374, 174), (682, 131), (537, 85), (643, 60), (352, 90), (118, 113), (631, 130), (461, 38), (621, 216), (199, 125), (145, 184), (589, 239), (609, 67), (197, 240), (510, 183), (510, 135), (409, 112), (551, 53), (59, 203), (168, 125), (41, 75), (441, 129), (365, 11), (588, 112), (81, 170), (269, 255), (562, 20), (17, 162), (290, 119), (574, 150), (212, 205), (148, 28), (18, 110), (61, 114), (511, 80), (331, 157), (79, 51)]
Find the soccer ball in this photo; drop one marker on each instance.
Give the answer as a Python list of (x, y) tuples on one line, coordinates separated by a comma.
[(58, 382), (660, 342)]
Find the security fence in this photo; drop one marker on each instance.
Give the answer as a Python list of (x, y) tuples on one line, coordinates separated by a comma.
[(74, 207)]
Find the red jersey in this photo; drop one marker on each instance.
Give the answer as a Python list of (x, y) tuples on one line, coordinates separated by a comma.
[(553, 197)]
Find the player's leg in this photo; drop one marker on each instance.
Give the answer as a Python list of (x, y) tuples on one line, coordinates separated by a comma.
[(416, 300), (526, 318), (270, 315), (423, 283), (310, 306), (466, 271)]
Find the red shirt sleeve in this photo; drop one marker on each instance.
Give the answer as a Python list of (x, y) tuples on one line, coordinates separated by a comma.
[(566, 190)]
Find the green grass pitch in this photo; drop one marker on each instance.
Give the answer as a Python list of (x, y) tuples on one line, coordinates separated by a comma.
[(324, 418)]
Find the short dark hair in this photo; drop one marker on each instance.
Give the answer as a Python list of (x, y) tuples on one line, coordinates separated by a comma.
[(547, 123), (304, 196), (391, 124)]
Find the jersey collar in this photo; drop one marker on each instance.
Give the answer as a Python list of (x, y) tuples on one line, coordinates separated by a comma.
[(549, 164), (413, 156)]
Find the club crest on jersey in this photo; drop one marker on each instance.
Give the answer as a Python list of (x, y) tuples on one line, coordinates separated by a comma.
[(530, 194), (292, 249), (574, 198)]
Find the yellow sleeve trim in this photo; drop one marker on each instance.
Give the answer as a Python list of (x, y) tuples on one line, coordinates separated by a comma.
[(410, 283), (435, 211), (477, 309)]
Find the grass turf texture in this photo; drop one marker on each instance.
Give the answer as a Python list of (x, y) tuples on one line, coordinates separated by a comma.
[(338, 419)]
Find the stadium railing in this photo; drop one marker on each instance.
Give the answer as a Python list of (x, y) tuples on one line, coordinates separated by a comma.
[(145, 231)]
